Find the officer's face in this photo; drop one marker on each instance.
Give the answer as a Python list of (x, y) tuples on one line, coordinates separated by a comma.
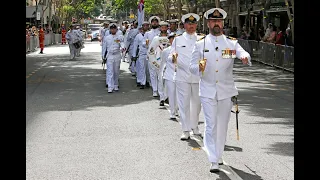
[(215, 26), (113, 30), (154, 24), (163, 28), (145, 27), (173, 26), (190, 27)]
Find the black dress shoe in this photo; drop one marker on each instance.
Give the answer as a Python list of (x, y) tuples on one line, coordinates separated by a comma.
[(107, 86), (142, 86), (166, 101), (147, 84), (138, 84), (162, 103)]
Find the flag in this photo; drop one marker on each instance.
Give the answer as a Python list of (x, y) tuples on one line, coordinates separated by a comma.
[(140, 13)]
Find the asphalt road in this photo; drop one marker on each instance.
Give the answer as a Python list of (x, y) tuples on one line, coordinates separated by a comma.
[(76, 130)]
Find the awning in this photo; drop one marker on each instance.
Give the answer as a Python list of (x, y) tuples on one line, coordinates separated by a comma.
[(274, 10), (246, 13), (257, 10), (31, 11)]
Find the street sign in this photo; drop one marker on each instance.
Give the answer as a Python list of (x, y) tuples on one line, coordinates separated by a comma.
[(38, 16), (131, 16)]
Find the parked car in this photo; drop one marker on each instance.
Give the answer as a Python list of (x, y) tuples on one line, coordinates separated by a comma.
[(93, 31)]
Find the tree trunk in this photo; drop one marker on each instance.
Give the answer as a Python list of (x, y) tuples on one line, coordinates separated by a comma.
[(179, 4), (50, 6), (265, 19), (290, 18)]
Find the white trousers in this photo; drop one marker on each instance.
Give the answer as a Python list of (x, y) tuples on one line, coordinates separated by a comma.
[(113, 70), (162, 88), (172, 95), (153, 77), (132, 66), (141, 68), (189, 104), (217, 116), (123, 56), (72, 51), (147, 71)]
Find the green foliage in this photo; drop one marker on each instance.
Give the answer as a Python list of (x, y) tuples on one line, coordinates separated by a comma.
[(153, 7), (125, 4)]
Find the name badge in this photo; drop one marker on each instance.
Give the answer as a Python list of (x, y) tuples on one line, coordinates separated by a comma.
[(228, 54)]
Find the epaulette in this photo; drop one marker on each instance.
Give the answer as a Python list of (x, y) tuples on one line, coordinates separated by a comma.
[(202, 38), (232, 38), (201, 34)]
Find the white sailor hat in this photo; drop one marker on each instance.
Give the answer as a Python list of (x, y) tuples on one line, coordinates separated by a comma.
[(113, 25), (215, 13), (106, 22), (163, 23), (172, 21), (145, 22), (154, 18), (190, 18), (126, 22)]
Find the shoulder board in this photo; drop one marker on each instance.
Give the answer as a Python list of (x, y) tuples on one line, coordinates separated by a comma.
[(232, 38), (200, 34), (201, 38)]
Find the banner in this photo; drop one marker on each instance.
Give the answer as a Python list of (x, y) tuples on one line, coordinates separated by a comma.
[(140, 13)]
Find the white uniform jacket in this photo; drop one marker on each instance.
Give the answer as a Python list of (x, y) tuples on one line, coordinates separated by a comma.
[(169, 67), (180, 31), (183, 46), (217, 78), (141, 44), (150, 35), (130, 40), (73, 36), (112, 44)]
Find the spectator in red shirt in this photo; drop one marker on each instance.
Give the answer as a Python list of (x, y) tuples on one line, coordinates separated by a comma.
[(280, 37)]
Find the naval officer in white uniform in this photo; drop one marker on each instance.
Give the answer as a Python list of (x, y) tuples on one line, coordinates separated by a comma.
[(187, 84), (148, 37), (217, 86), (112, 47)]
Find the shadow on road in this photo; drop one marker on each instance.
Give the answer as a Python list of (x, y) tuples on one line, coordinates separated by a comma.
[(81, 85), (268, 95), (245, 175)]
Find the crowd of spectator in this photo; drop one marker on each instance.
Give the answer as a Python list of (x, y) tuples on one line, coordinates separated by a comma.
[(272, 34)]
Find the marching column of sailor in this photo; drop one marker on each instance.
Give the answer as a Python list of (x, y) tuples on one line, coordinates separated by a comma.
[(192, 71)]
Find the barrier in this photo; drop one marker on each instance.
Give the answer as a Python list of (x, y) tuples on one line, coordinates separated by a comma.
[(278, 56), (32, 44)]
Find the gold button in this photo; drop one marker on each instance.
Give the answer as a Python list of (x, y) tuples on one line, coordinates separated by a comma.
[(216, 70), (217, 60), (216, 81)]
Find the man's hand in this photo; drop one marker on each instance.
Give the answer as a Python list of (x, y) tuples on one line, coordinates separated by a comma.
[(244, 60), (124, 49), (202, 64)]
